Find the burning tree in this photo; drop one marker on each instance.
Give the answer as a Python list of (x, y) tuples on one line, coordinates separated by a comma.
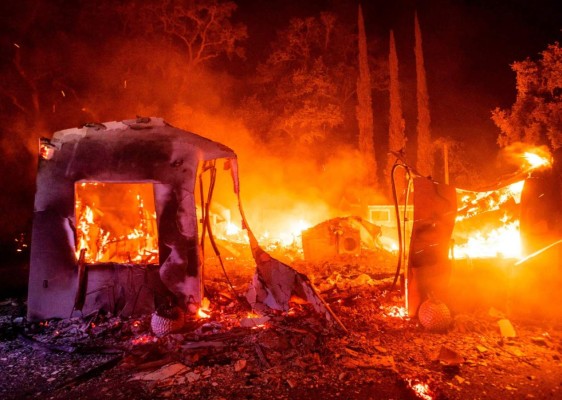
[(535, 116)]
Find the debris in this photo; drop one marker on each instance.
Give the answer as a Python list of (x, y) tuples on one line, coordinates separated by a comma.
[(495, 313), (239, 365), (506, 328), (253, 322), (449, 357), (164, 372), (274, 284), (261, 356), (367, 362), (539, 340), (481, 349), (192, 377)]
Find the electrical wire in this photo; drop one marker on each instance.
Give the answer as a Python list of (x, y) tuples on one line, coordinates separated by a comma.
[(207, 222)]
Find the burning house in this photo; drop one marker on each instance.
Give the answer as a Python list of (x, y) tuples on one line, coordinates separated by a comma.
[(115, 221)]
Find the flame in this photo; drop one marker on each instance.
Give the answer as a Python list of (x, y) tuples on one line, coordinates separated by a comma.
[(487, 223), (495, 230), (204, 310), (396, 312), (287, 234), (389, 244), (534, 160), (232, 229), (113, 226), (143, 339), (421, 390)]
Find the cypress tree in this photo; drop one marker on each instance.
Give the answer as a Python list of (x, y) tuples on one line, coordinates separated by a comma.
[(424, 157)]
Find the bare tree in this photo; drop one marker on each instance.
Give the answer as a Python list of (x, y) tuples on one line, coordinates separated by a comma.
[(202, 29), (424, 146)]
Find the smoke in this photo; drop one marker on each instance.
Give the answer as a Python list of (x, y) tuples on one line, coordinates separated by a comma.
[(277, 191)]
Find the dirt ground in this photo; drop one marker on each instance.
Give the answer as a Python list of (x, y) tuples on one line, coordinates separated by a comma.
[(290, 355)]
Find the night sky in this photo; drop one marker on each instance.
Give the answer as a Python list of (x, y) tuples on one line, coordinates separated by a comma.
[(468, 48)]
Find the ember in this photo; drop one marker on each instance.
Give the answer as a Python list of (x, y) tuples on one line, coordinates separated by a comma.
[(421, 390), (395, 312), (143, 339)]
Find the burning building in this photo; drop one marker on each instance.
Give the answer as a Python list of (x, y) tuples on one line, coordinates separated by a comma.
[(115, 222)]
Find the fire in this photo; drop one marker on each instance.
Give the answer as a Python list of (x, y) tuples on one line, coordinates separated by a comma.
[(487, 223), (292, 231), (204, 310), (504, 241), (422, 390), (232, 229), (396, 312), (114, 224), (143, 339), (535, 160)]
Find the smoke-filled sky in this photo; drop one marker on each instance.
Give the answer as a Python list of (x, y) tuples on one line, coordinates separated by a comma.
[(468, 48)]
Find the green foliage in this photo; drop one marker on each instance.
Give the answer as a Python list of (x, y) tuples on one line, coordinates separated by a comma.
[(536, 116), (305, 81)]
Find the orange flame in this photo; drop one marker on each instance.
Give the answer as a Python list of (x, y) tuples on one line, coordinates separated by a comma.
[(534, 160), (113, 226), (495, 230), (396, 312), (422, 390)]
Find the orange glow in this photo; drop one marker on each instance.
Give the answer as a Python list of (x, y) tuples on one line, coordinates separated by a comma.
[(396, 312), (287, 233), (504, 242), (536, 159), (487, 223), (116, 223), (202, 314), (232, 229), (204, 310), (144, 339), (421, 390)]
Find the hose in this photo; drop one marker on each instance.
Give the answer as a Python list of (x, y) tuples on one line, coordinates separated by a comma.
[(401, 239)]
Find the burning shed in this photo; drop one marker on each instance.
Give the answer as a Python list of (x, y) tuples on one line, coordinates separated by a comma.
[(89, 253)]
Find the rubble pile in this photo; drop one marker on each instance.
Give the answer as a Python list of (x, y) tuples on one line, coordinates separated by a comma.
[(230, 351)]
